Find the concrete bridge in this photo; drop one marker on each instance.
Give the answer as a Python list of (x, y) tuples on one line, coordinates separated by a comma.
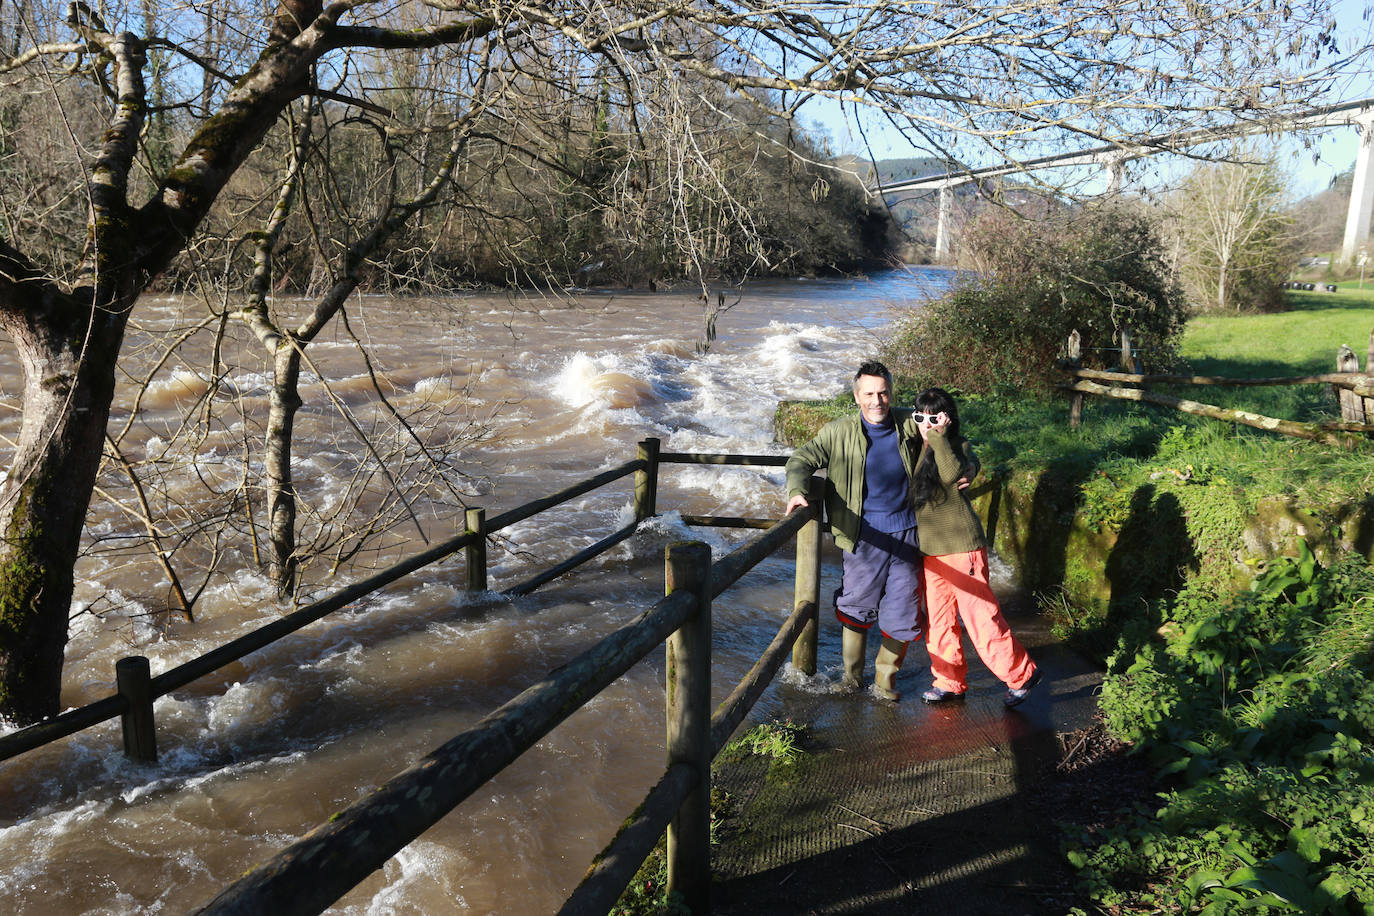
[(1113, 158)]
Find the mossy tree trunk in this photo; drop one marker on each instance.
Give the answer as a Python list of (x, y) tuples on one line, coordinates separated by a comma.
[(68, 351), (69, 338)]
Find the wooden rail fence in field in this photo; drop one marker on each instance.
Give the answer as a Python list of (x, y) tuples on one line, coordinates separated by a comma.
[(1355, 391), (318, 869)]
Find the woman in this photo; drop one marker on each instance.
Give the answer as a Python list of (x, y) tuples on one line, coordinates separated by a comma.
[(956, 563)]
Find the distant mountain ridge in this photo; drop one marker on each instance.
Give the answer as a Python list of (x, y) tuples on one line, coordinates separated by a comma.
[(914, 167), (888, 170)]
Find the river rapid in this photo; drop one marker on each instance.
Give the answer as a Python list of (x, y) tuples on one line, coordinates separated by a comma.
[(551, 390)]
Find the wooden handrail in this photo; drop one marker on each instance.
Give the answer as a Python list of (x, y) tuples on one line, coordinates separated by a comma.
[(727, 521), (326, 863), (1359, 383), (727, 570), (61, 726), (269, 633), (572, 562), (1328, 433), (614, 868), (309, 875), (318, 869), (520, 513), (75, 720), (732, 710), (721, 458), (69, 723)]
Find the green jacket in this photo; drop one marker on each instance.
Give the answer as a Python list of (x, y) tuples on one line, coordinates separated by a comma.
[(840, 449), (951, 525)]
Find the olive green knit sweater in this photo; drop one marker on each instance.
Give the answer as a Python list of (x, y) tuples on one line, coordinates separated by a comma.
[(949, 524)]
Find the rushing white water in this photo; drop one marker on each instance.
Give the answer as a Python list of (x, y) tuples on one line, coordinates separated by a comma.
[(257, 755)]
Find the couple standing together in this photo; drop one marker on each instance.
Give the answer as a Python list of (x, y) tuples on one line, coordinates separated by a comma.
[(894, 502)]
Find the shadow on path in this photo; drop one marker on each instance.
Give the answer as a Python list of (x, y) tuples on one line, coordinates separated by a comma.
[(906, 808)]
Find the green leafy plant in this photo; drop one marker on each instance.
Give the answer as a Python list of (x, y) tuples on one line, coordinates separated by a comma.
[(778, 740), (1271, 756)]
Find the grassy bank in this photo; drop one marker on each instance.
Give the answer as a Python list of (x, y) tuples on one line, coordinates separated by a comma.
[(1255, 704), (1247, 681), (1132, 472)]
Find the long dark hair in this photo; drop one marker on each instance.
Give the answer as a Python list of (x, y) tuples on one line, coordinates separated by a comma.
[(926, 486)]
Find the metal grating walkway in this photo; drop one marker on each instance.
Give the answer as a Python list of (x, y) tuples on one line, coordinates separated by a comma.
[(903, 808)]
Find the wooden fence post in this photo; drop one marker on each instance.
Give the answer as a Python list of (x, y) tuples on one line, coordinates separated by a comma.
[(1352, 405), (1369, 369), (646, 481), (476, 552), (688, 566), (1128, 360), (1075, 355), (807, 587), (134, 683)]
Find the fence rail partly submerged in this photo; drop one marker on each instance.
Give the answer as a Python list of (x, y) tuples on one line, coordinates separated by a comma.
[(313, 872)]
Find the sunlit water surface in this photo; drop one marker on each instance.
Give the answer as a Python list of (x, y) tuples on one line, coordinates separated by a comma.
[(256, 756)]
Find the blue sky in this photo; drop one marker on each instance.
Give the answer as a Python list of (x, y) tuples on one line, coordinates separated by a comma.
[(1311, 164)]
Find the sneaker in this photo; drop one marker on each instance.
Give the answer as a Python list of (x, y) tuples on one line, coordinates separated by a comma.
[(1017, 694), (936, 695)]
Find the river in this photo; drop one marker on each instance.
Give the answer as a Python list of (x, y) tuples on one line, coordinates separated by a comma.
[(529, 394)]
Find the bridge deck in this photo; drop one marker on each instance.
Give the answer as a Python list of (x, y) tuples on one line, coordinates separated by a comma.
[(906, 808)]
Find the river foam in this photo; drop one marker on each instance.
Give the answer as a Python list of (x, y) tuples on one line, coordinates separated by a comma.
[(257, 755)]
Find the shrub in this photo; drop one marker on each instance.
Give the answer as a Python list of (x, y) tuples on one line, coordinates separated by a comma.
[(1096, 270), (1252, 703)]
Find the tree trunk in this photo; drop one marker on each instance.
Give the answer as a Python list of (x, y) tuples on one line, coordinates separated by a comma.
[(68, 355), (285, 401), (68, 344)]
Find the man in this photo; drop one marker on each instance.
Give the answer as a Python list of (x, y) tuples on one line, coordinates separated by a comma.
[(868, 465)]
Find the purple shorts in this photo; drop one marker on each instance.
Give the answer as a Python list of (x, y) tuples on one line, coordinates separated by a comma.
[(880, 582)]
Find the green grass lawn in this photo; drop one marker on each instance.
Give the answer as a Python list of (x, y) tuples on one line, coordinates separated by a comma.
[(1248, 775), (1303, 341), (1134, 443)]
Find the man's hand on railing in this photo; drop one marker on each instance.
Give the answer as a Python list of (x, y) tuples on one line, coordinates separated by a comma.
[(795, 503)]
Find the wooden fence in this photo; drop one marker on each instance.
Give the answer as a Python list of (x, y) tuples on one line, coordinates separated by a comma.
[(1355, 391), (309, 875)]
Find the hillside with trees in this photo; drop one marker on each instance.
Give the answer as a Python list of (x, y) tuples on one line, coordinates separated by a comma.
[(1321, 217)]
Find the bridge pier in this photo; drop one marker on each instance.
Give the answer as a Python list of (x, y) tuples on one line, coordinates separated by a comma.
[(1361, 193), (942, 224), (1115, 166)]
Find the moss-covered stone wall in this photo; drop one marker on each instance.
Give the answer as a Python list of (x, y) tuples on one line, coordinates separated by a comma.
[(1055, 539)]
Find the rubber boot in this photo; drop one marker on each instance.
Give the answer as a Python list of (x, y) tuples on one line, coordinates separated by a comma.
[(885, 668), (853, 644)]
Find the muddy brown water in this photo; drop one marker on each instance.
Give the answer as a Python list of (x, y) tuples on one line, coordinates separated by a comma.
[(529, 394)]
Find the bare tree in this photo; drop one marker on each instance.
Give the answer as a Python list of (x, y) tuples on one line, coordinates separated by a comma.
[(999, 78), (287, 347), (1234, 230)]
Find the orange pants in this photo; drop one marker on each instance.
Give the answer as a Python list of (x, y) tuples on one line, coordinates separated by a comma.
[(957, 587)]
